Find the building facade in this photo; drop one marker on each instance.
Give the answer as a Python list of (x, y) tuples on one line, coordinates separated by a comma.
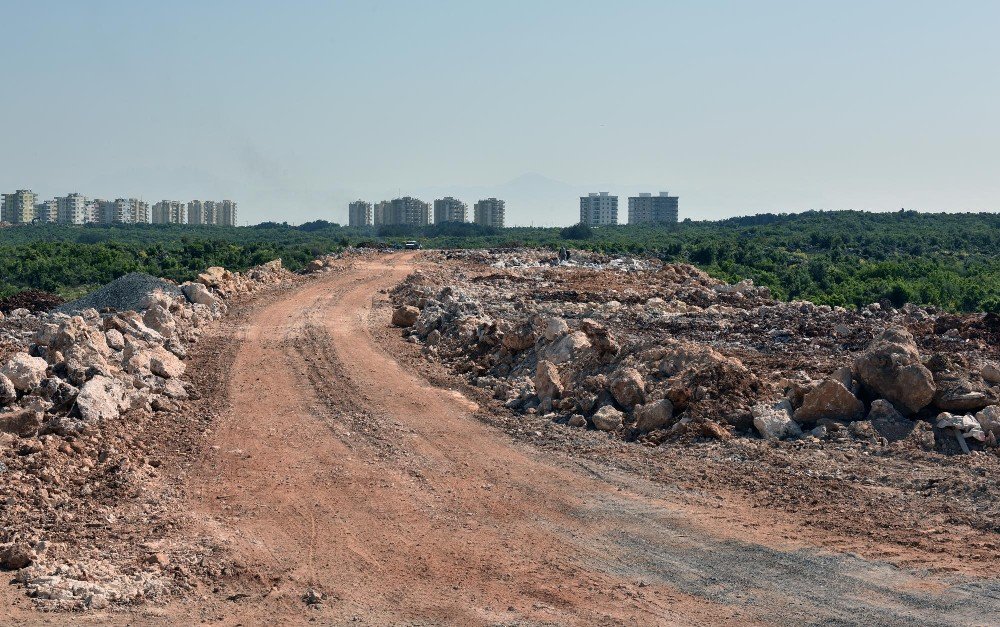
[(598, 209), (650, 209), (196, 212), (359, 213), (489, 212), (405, 210), (168, 212), (72, 209), (19, 207), (225, 213), (46, 212), (450, 209)]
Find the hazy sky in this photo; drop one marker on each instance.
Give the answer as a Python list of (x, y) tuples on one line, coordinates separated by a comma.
[(293, 108)]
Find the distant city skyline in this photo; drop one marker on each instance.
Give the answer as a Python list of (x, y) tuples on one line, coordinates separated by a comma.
[(738, 107)]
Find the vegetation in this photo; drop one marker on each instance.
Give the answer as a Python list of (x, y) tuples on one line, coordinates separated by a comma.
[(847, 258)]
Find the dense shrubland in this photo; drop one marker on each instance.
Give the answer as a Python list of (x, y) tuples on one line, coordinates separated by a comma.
[(841, 258)]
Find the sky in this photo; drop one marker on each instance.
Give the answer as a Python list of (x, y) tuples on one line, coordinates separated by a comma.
[(294, 108)]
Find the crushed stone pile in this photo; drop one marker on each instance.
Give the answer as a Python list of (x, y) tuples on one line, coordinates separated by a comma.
[(131, 292), (76, 393)]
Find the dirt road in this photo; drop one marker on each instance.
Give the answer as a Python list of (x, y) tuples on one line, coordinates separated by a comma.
[(338, 470)]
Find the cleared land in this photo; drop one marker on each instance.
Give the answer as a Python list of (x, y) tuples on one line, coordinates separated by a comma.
[(336, 474)]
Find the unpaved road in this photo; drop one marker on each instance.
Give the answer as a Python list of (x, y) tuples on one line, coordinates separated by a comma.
[(337, 469)]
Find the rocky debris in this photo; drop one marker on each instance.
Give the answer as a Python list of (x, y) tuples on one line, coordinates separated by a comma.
[(672, 349), (24, 371), (967, 425), (892, 369), (989, 420), (77, 395), (129, 292), (405, 316), (830, 400), (607, 418), (774, 422)]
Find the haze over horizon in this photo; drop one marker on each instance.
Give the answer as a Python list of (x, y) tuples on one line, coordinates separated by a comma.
[(295, 109)]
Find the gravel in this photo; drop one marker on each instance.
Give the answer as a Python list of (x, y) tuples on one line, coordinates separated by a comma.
[(124, 293)]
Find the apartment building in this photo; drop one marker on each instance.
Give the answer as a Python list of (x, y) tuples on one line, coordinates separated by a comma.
[(168, 212), (650, 209), (450, 209), (72, 209), (19, 207), (405, 210), (118, 211), (359, 213), (225, 213), (46, 212), (489, 212), (140, 211), (598, 209)]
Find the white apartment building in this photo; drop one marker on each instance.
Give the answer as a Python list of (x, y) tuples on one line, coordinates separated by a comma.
[(19, 207), (450, 209), (45, 212), (225, 213), (598, 209), (650, 209), (168, 212), (489, 212), (72, 209), (359, 213)]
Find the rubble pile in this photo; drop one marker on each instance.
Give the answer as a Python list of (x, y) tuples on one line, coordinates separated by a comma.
[(652, 352), (78, 386)]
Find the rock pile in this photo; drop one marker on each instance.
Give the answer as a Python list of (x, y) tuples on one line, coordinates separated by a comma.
[(69, 381), (655, 351)]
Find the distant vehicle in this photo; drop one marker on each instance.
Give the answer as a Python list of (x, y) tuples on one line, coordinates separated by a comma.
[(412, 245)]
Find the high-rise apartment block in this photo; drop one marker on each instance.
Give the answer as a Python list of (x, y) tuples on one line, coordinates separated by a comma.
[(72, 209), (598, 209), (196, 212), (405, 210), (489, 212), (359, 213), (168, 212), (650, 209), (450, 209), (19, 207), (225, 213), (46, 212)]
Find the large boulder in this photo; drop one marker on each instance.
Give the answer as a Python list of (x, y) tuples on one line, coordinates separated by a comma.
[(889, 423), (774, 422), (567, 347), (24, 371), (955, 393), (607, 418), (215, 276), (405, 316), (891, 368), (159, 318), (655, 415), (548, 384), (101, 398), (165, 364), (830, 400), (628, 387), (199, 294)]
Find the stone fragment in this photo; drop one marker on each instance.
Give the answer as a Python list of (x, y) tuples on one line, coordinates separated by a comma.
[(198, 294), (567, 347), (991, 373), (8, 393), (608, 418), (548, 384), (576, 420), (101, 398), (889, 423), (656, 415), (405, 316), (774, 422), (628, 387), (830, 399), (989, 420), (891, 368), (519, 337), (24, 371), (16, 556), (23, 423), (555, 328)]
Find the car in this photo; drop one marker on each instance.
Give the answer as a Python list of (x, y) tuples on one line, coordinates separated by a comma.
[(412, 245)]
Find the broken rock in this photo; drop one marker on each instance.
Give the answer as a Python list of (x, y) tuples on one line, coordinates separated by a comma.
[(24, 371), (628, 388), (654, 415), (405, 316), (607, 418), (832, 400), (774, 422), (889, 423), (891, 368), (101, 398)]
